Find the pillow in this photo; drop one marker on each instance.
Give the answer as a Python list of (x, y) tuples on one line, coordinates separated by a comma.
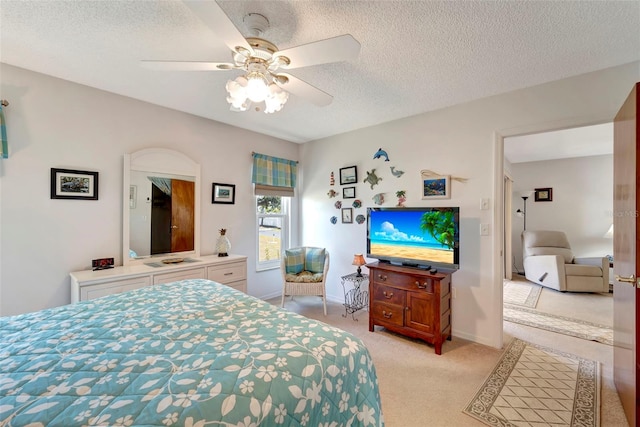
[(294, 260), (314, 260)]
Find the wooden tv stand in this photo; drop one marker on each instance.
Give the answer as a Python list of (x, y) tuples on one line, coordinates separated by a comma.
[(411, 302)]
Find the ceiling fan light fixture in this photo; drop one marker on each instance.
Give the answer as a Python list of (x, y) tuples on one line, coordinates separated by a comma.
[(276, 99), (237, 90), (241, 95), (257, 86)]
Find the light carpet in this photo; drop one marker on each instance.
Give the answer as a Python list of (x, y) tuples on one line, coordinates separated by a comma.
[(521, 293), (534, 386), (560, 324)]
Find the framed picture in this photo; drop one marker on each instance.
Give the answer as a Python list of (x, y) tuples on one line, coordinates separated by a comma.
[(74, 184), (348, 175), (223, 193), (436, 187), (349, 193), (544, 194), (347, 215)]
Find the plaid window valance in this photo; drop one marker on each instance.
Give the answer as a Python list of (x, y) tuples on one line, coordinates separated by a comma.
[(273, 176)]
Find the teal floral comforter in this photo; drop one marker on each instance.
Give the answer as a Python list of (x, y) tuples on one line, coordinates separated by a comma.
[(193, 353)]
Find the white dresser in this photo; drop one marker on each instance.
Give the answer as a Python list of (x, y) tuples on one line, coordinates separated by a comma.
[(89, 284)]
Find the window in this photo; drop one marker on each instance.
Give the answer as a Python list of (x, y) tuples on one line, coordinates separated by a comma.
[(272, 222)]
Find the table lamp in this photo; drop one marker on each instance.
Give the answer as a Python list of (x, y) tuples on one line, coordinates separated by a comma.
[(358, 260)]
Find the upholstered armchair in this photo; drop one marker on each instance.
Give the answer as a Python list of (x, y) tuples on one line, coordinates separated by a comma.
[(304, 272), (549, 261)]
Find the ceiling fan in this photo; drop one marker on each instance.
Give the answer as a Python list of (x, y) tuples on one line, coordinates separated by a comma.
[(262, 61)]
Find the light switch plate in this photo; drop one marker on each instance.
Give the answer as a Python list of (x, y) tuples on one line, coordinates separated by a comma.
[(484, 229)]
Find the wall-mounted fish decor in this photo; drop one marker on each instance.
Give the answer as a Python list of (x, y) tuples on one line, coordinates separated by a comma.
[(332, 193), (378, 199), (381, 153)]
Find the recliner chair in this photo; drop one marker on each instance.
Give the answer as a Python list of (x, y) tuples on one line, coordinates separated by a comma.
[(549, 261)]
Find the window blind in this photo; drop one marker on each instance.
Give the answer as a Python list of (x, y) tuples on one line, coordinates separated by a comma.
[(273, 176)]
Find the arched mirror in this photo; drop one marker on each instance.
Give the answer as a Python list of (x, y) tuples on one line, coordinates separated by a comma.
[(161, 206)]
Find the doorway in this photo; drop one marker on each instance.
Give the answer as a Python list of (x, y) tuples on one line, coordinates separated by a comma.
[(575, 166)]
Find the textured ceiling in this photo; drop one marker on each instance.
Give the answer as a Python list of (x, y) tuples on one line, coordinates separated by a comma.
[(416, 56)]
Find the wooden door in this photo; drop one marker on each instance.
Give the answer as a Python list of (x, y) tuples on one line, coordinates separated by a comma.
[(182, 215), (625, 255)]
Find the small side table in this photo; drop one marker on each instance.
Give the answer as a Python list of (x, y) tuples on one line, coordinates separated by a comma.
[(355, 299)]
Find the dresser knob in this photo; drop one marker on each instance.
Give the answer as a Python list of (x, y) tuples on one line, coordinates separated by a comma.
[(421, 286), (381, 277), (387, 296), (387, 315)]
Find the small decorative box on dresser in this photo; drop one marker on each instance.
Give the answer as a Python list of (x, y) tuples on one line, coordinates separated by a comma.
[(230, 270), (410, 301)]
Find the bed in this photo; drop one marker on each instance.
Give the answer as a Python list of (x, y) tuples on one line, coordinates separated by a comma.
[(189, 353)]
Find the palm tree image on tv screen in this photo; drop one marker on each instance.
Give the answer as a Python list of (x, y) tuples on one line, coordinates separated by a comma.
[(441, 226)]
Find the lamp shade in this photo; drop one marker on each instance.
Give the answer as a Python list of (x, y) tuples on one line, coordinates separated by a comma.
[(358, 260)]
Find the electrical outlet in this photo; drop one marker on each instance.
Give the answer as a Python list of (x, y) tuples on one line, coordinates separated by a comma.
[(484, 229), (484, 204)]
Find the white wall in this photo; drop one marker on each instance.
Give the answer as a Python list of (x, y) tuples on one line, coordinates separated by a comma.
[(581, 207), (55, 123), (463, 141)]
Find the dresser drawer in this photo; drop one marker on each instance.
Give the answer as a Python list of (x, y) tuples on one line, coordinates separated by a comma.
[(404, 281), (192, 273), (388, 294), (227, 273), (388, 313), (115, 287)]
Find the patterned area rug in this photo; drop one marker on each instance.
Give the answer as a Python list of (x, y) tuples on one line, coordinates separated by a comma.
[(536, 386), (563, 325), (521, 293)]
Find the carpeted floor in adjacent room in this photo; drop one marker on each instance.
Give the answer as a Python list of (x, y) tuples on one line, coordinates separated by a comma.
[(420, 389)]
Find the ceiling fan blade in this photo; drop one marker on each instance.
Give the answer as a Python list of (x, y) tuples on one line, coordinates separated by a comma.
[(187, 65), (341, 48), (303, 89), (214, 17)]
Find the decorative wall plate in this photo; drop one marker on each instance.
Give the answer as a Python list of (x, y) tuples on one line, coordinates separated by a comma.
[(360, 219), (334, 219), (356, 204), (338, 204)]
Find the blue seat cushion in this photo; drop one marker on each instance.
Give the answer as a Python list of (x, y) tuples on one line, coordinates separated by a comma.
[(314, 260), (294, 260)]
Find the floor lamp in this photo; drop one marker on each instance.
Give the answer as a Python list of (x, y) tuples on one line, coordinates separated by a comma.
[(524, 212)]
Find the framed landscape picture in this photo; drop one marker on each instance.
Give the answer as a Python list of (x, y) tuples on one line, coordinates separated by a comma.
[(74, 184), (348, 175), (349, 193), (544, 194), (436, 187), (223, 193)]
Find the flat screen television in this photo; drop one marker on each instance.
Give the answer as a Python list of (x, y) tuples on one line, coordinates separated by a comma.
[(424, 237)]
